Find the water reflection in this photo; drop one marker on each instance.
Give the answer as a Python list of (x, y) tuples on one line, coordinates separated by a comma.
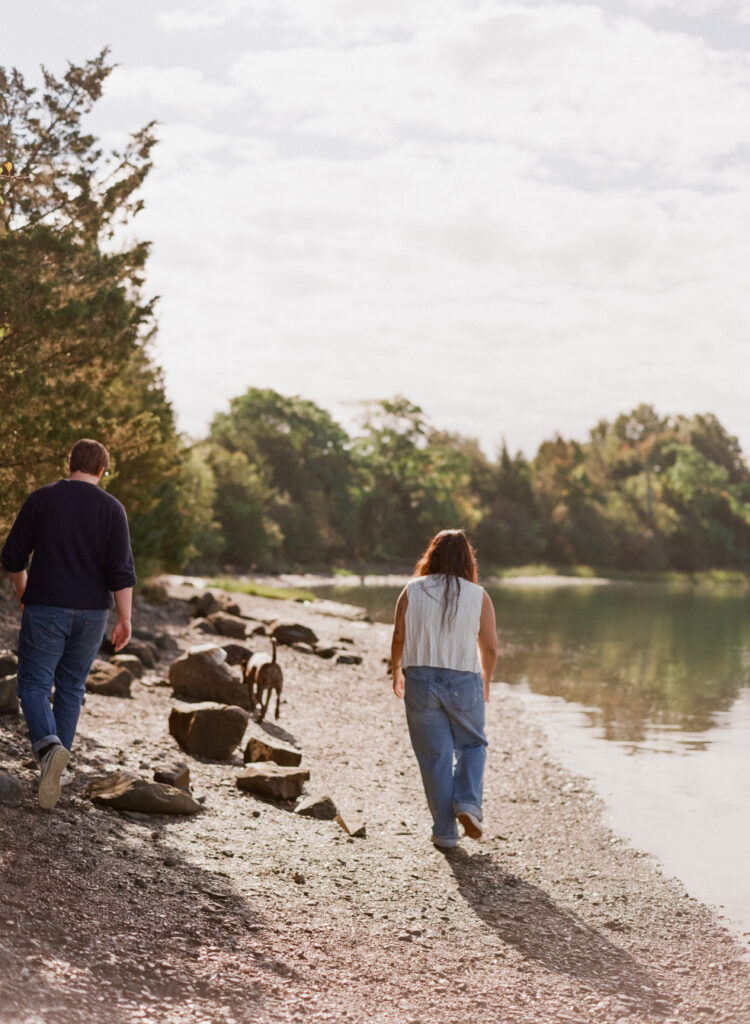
[(634, 657)]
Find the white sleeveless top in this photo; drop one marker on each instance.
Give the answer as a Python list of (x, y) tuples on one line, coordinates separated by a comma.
[(437, 642)]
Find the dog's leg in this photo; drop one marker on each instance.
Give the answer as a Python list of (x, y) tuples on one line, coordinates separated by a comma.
[(278, 701)]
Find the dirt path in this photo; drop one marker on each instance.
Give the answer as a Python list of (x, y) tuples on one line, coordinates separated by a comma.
[(248, 912)]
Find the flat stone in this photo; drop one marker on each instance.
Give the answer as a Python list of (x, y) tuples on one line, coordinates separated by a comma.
[(9, 695), (176, 774), (279, 782), (303, 648), (326, 652), (208, 730), (202, 674), (109, 680), (352, 825), (349, 659), (292, 632), (320, 807), (125, 791), (133, 664), (262, 747), (10, 789), (203, 626), (229, 625)]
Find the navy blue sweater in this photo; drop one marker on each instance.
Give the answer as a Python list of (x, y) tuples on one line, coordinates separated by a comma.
[(81, 545)]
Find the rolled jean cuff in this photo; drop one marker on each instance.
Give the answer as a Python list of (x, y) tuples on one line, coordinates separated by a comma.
[(44, 742), (461, 808)]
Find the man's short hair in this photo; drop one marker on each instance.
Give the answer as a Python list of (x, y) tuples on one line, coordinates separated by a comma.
[(87, 456)]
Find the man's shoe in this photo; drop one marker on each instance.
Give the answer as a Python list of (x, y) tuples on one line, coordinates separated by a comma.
[(472, 826), (52, 766)]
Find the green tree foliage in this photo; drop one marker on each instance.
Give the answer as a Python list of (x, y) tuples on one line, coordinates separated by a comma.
[(74, 325), (644, 492), (284, 468), (413, 480)]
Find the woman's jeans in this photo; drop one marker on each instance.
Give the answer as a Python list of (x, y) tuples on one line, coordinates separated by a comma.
[(445, 714), (56, 648)]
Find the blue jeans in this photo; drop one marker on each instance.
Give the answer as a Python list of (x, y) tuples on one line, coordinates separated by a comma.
[(445, 715), (56, 648)]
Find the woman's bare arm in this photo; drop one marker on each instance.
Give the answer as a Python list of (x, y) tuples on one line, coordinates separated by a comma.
[(397, 643), (487, 640)]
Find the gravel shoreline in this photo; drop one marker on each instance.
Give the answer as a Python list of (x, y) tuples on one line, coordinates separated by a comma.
[(247, 912)]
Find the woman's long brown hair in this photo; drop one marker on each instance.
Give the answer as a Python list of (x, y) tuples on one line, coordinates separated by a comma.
[(449, 554)]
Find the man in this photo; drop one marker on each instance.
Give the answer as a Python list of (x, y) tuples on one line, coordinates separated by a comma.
[(79, 538)]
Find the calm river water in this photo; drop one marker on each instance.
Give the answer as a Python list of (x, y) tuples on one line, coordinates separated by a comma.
[(645, 690)]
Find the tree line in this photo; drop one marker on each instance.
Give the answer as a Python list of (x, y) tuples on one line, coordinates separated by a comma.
[(277, 482)]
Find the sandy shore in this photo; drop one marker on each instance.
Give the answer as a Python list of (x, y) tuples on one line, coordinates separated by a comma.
[(248, 912)]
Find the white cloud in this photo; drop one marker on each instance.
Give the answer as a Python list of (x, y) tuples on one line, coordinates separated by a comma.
[(525, 218)]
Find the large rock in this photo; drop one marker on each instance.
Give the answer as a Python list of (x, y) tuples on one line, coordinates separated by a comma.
[(229, 625), (109, 680), (202, 674), (292, 633), (146, 650), (8, 664), (320, 807), (205, 604), (125, 791), (237, 654), (262, 747), (10, 789), (130, 662), (175, 773), (273, 780), (203, 626), (9, 695), (208, 729)]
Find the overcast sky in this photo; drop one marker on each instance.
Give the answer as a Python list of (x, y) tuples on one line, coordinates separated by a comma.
[(523, 216)]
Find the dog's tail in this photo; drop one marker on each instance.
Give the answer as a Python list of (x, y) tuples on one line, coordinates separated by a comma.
[(273, 659)]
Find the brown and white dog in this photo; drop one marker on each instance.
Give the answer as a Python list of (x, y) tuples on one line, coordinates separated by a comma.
[(264, 675)]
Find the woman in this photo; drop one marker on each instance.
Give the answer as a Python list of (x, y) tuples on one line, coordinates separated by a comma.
[(443, 654)]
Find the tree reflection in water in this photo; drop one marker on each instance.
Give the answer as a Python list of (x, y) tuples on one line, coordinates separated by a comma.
[(634, 655)]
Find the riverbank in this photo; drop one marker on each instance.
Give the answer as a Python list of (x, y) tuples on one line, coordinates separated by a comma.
[(248, 912)]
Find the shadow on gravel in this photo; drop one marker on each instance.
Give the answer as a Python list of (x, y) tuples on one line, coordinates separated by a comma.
[(103, 920), (278, 733), (525, 917)]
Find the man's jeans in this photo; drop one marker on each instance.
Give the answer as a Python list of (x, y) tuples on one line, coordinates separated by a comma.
[(445, 714), (56, 648)]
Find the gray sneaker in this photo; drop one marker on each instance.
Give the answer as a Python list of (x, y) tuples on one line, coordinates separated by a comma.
[(52, 767), (472, 826)]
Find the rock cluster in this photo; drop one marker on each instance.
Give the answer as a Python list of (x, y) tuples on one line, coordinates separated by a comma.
[(203, 674)]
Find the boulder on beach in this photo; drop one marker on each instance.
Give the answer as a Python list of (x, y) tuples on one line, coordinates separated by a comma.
[(208, 730), (145, 650), (205, 604), (262, 747), (175, 773), (109, 680), (228, 625), (133, 664), (278, 782), (203, 674), (321, 807), (8, 664), (9, 695), (125, 791), (292, 633), (10, 789), (203, 626), (237, 654)]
